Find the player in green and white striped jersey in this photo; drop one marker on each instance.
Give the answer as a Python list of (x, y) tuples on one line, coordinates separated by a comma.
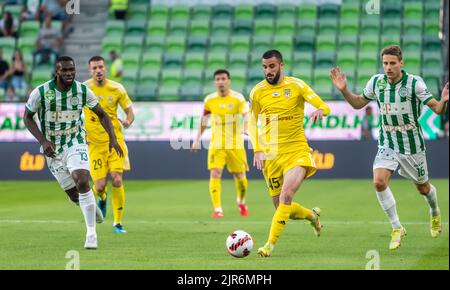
[(399, 96), (59, 104)]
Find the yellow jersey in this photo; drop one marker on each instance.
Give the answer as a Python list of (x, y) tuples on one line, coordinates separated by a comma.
[(280, 110), (110, 96), (226, 112)]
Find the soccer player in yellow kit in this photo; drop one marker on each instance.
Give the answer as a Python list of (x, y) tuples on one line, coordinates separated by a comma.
[(110, 95), (225, 107), (280, 146)]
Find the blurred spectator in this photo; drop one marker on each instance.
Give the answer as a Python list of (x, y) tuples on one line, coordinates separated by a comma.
[(11, 95), (119, 8), (8, 26), (56, 8), (18, 72), (4, 68), (49, 41), (116, 69), (366, 126), (31, 9)]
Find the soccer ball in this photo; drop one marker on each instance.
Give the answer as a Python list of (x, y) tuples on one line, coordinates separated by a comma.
[(239, 244)]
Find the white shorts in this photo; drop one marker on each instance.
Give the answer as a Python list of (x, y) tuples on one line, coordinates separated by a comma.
[(62, 166), (413, 167)]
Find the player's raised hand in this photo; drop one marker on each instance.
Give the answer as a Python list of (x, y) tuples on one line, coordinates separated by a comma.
[(195, 146), (316, 115), (124, 123), (49, 149), (114, 144), (444, 94), (258, 160), (339, 79)]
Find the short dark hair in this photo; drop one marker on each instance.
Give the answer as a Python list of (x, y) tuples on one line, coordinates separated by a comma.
[(96, 58), (273, 53), (222, 71), (64, 58), (392, 50)]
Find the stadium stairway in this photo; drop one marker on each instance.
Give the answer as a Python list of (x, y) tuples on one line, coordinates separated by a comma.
[(87, 31)]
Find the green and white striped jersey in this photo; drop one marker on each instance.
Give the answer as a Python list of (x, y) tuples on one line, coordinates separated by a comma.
[(60, 112), (400, 108)]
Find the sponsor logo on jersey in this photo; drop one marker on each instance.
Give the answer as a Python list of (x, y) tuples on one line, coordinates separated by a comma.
[(275, 94), (287, 93), (50, 95), (403, 92), (74, 101), (381, 84)]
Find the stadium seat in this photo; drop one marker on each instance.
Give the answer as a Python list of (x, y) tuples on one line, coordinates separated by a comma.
[(307, 10), (209, 88), (328, 10), (168, 94), (411, 43), (348, 42), (432, 43), (255, 76), (194, 60), (157, 28), (303, 73), (179, 12), (368, 60), (325, 60), (263, 27), (242, 27), (29, 28), (238, 60), (286, 11), (145, 92), (39, 76), (191, 93), (363, 77), (322, 84), (151, 61), (261, 43), (431, 27), (133, 43), (8, 44), (432, 59), (221, 27), (349, 27), (155, 44), (136, 27), (392, 39), (113, 28), (433, 85), (130, 75), (265, 10), (328, 26), (326, 43), (131, 60), (219, 44), (350, 10), (26, 44), (170, 78), (255, 59), (285, 26), (412, 27), (159, 12), (197, 43), (216, 60), (192, 77), (13, 9), (432, 9), (199, 27), (370, 26), (238, 79), (201, 12), (137, 11), (431, 73), (391, 10), (222, 11), (243, 11), (172, 61), (304, 43), (368, 42), (240, 43), (302, 60), (284, 44), (413, 10), (175, 44), (149, 77), (391, 26), (178, 28)]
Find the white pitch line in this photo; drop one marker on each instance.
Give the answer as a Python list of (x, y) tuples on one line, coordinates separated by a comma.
[(206, 222)]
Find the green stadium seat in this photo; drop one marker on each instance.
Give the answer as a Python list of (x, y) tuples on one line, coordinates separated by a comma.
[(261, 44), (432, 59), (431, 27), (242, 27), (307, 10), (304, 43), (29, 28), (192, 77), (284, 44), (201, 12), (130, 60), (346, 59), (155, 44), (179, 12), (263, 27), (39, 76), (348, 42), (129, 77), (302, 60), (178, 27), (412, 27), (175, 44), (133, 43), (151, 61), (216, 60), (240, 43), (170, 78), (243, 11), (429, 74), (411, 43), (413, 62), (349, 27), (199, 27), (191, 93), (221, 27), (368, 42), (145, 92), (136, 27), (219, 44), (350, 10), (370, 26), (285, 26), (208, 88), (432, 9), (325, 59), (433, 85), (172, 61), (8, 43), (368, 60), (328, 26), (137, 11), (303, 73), (157, 28), (363, 76), (391, 26), (387, 40), (413, 10), (159, 12), (328, 10), (238, 79), (432, 43), (391, 10), (265, 10), (254, 76), (286, 11), (25, 44), (255, 59), (13, 9), (222, 11), (2, 94), (168, 94), (351, 79), (149, 77), (326, 43), (238, 60), (114, 28), (197, 43), (130, 86), (194, 60), (322, 84)]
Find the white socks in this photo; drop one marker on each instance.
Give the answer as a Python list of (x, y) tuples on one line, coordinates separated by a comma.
[(387, 202), (88, 207), (432, 201)]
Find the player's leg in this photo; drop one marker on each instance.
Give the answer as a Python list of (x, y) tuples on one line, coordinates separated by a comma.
[(73, 195), (99, 190), (237, 165), (215, 191), (429, 192), (98, 155), (118, 201), (241, 183)]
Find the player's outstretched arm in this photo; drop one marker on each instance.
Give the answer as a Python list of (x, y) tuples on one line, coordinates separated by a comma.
[(47, 146), (106, 123), (439, 107), (129, 119), (340, 82)]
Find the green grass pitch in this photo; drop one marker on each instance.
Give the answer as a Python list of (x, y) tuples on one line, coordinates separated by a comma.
[(169, 227)]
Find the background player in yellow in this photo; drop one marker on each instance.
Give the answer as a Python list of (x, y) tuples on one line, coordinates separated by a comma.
[(226, 107), (280, 146), (110, 95)]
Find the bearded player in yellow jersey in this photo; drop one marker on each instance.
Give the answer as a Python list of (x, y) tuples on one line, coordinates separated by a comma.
[(226, 108), (110, 95), (281, 150)]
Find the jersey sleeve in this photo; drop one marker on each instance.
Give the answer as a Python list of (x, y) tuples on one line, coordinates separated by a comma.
[(206, 106), (34, 102), (422, 92), (243, 106), (91, 99), (369, 89), (124, 100), (255, 110), (311, 97)]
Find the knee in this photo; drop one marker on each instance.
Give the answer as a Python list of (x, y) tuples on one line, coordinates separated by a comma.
[(216, 174), (380, 185), (423, 189), (117, 181), (82, 183), (73, 195)]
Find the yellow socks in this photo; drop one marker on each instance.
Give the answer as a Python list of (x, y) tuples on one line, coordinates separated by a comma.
[(279, 221), (241, 189), (299, 212), (118, 203), (101, 195), (215, 192)]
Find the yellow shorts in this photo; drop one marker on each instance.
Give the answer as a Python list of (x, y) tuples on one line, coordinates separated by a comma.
[(275, 169), (103, 162), (235, 159)]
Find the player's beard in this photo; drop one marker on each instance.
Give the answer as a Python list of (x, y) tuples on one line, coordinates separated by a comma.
[(275, 79)]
